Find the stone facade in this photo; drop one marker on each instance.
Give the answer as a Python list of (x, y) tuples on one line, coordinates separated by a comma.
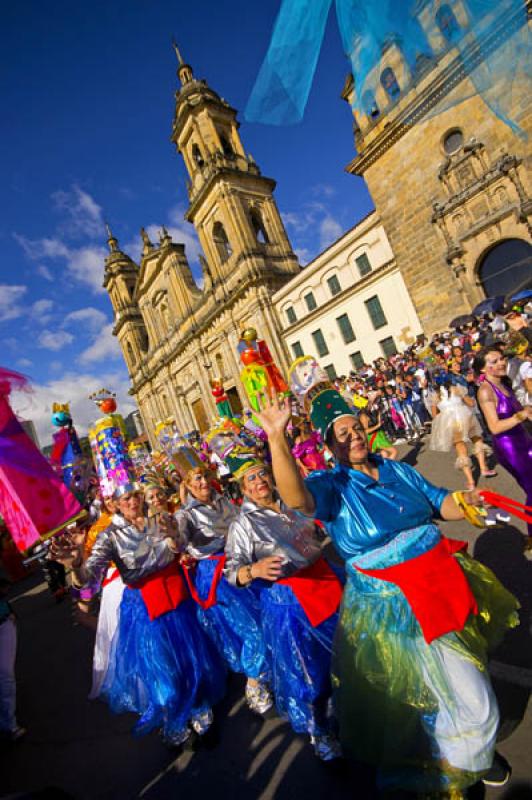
[(176, 336), (356, 275), (450, 184)]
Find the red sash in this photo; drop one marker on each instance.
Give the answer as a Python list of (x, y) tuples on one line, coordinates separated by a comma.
[(163, 591), (210, 600), (436, 588), (318, 589), (110, 578)]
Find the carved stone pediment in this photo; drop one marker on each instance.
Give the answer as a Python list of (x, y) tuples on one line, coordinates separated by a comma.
[(478, 193)]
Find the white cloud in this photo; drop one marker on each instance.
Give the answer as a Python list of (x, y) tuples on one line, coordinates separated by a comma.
[(104, 347), (322, 190), (330, 230), (44, 272), (24, 363), (74, 388), (313, 227), (36, 249), (89, 318), (83, 215), (40, 311), (85, 264), (303, 254), (54, 340), (9, 301)]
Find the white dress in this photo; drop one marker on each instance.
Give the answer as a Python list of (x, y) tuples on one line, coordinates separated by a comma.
[(456, 422), (107, 624)]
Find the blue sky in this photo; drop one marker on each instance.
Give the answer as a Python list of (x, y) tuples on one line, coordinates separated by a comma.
[(88, 95)]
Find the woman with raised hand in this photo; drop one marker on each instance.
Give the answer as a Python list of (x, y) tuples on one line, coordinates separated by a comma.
[(412, 691)]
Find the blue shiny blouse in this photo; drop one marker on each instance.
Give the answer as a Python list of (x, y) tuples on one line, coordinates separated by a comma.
[(361, 513)]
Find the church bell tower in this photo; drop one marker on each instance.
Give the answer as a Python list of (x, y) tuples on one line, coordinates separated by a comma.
[(231, 203)]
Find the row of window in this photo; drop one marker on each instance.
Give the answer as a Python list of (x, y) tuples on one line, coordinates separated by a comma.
[(376, 314), (449, 27), (357, 359), (334, 285)]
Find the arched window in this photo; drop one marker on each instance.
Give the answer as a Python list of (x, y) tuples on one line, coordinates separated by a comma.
[(196, 155), (447, 22), (131, 355), (389, 83), (144, 341), (221, 241), (226, 146), (506, 267), (369, 105), (258, 226)]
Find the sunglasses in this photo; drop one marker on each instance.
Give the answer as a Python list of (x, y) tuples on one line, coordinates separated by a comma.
[(254, 475)]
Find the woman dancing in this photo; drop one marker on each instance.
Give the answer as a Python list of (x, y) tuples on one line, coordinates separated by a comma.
[(506, 418), (412, 690), (232, 621)]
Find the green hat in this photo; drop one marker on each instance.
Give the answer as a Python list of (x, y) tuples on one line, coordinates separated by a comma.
[(239, 461), (326, 408)]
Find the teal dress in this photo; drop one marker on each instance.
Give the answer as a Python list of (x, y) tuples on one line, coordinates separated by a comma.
[(423, 714)]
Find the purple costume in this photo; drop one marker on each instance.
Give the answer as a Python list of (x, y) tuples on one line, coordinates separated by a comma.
[(513, 448)]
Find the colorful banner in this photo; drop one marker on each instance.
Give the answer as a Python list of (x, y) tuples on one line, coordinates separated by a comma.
[(34, 501)]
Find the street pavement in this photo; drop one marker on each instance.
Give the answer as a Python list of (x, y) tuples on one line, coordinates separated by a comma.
[(77, 748)]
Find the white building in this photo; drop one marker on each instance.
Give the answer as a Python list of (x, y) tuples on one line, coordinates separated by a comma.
[(350, 305)]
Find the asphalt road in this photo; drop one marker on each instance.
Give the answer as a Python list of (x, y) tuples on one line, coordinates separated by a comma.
[(78, 749)]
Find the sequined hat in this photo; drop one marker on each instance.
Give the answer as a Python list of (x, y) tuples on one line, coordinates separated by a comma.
[(326, 408)]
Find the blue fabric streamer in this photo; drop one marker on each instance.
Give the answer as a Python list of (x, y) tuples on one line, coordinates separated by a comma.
[(233, 623), (492, 57)]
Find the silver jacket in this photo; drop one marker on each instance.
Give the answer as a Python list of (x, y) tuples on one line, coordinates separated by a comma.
[(204, 527), (260, 532), (135, 553)]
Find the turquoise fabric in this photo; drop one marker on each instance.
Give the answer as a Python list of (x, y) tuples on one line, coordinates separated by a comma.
[(361, 514), (491, 59)]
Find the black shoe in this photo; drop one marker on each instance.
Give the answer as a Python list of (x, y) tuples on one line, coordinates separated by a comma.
[(499, 773)]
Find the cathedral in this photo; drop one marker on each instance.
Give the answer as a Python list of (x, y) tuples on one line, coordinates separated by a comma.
[(451, 181), (452, 190), (175, 336)]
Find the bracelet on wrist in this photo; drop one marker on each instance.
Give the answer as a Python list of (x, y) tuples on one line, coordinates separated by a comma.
[(520, 416)]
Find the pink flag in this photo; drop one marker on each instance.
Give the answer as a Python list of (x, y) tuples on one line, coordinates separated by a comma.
[(34, 501)]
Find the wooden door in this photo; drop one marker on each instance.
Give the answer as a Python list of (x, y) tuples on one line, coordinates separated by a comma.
[(202, 421)]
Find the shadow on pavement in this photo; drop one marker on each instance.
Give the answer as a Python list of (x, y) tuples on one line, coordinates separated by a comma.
[(501, 550)]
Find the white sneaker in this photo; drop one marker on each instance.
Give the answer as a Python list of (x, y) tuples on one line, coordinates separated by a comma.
[(259, 699)]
